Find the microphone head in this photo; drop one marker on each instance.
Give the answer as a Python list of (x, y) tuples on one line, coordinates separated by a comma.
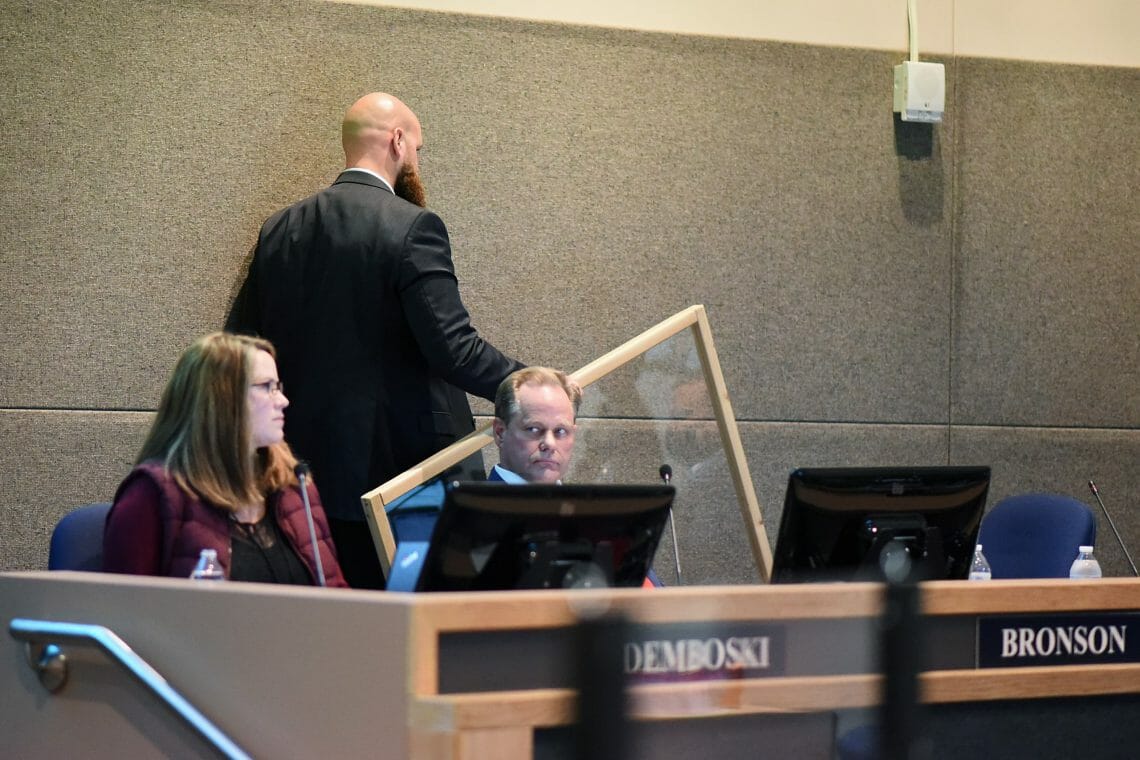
[(301, 470), (666, 473)]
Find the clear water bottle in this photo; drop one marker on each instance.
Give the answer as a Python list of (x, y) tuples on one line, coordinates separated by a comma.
[(208, 567), (1085, 565), (980, 566)]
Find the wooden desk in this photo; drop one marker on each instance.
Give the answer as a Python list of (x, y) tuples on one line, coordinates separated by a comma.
[(290, 672), (820, 672)]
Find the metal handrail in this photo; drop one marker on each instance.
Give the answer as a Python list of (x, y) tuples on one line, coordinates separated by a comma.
[(50, 634)]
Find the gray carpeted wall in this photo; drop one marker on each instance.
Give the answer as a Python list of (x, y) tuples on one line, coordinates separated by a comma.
[(879, 293)]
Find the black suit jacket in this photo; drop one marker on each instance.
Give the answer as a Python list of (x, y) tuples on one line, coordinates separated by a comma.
[(356, 289)]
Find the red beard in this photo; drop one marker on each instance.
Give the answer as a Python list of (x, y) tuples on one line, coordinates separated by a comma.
[(410, 186)]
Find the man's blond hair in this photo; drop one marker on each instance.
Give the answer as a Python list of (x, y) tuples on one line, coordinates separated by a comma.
[(506, 397)]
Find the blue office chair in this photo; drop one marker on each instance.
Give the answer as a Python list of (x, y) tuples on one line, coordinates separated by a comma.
[(77, 541), (860, 743), (413, 515), (1036, 535)]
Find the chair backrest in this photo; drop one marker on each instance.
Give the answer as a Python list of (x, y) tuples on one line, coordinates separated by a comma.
[(1035, 535), (77, 541), (413, 515)]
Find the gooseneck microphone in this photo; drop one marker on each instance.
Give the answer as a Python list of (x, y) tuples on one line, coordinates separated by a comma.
[(666, 473), (1111, 524), (302, 473)]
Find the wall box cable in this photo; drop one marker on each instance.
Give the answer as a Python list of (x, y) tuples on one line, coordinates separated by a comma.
[(920, 91)]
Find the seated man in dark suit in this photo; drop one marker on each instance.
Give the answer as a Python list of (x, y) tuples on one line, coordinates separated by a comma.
[(534, 426), (536, 412)]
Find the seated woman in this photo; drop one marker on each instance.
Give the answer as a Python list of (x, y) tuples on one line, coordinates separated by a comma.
[(215, 473)]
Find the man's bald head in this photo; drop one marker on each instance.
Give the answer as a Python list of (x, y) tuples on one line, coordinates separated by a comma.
[(380, 133)]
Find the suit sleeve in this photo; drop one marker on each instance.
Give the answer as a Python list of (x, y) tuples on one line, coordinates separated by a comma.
[(429, 292)]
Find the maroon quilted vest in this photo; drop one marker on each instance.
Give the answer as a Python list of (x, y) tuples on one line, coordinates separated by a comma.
[(190, 525)]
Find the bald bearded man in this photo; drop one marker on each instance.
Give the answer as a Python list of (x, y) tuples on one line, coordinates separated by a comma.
[(356, 288)]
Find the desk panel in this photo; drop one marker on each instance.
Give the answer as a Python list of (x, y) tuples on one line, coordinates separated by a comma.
[(489, 674)]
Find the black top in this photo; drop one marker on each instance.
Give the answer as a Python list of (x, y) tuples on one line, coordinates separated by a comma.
[(262, 555)]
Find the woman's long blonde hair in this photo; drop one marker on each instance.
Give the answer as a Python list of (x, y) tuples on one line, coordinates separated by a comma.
[(202, 430)]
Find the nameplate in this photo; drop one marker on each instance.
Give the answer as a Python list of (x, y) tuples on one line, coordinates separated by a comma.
[(1068, 639), (703, 652)]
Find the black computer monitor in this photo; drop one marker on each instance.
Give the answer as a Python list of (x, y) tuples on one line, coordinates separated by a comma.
[(875, 523), (493, 535)]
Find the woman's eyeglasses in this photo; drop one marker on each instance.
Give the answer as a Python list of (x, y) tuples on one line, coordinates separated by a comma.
[(270, 386)]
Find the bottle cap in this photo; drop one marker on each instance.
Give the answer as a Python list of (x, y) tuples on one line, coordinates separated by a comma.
[(1085, 549)]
